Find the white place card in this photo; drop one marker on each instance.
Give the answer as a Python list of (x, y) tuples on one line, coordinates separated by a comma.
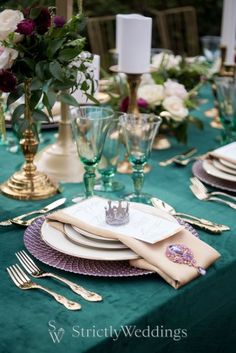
[(143, 226)]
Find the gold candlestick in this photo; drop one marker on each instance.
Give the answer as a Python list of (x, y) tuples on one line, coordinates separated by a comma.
[(28, 183), (124, 167)]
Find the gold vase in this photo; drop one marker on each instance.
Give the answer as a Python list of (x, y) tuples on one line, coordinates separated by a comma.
[(28, 183)]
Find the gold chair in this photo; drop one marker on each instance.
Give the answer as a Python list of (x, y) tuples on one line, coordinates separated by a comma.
[(101, 34), (178, 29)]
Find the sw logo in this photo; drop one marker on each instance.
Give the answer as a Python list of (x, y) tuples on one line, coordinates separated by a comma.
[(56, 334)]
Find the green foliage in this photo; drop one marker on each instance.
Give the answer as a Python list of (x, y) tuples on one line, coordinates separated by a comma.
[(49, 63)]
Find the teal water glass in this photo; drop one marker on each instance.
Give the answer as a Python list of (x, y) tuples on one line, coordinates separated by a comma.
[(139, 133), (89, 126), (226, 97), (108, 165)]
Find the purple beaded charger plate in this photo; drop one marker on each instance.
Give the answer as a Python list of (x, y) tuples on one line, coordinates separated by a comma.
[(201, 174), (54, 258)]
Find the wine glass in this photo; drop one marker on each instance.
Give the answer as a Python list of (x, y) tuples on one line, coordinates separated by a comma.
[(89, 126), (226, 97), (108, 164), (139, 132), (211, 48)]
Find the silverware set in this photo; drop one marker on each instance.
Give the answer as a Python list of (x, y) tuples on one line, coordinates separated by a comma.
[(178, 157), (22, 281), (203, 194), (201, 223), (184, 158), (20, 221)]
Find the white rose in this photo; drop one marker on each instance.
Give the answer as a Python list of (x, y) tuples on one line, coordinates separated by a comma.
[(173, 88), (153, 94), (160, 59), (173, 62), (9, 20), (175, 106), (167, 61), (147, 80), (7, 57)]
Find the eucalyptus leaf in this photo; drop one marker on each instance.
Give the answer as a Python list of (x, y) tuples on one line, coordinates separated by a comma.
[(56, 70), (15, 95), (18, 112), (39, 115), (68, 99), (55, 45), (34, 99)]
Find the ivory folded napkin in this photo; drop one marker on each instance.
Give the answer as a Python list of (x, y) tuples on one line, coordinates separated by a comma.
[(153, 254), (227, 152)]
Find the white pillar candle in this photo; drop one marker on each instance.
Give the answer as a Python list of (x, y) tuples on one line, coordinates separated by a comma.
[(134, 34), (94, 69), (224, 22), (228, 30)]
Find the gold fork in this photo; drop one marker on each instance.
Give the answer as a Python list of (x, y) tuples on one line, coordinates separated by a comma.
[(22, 281), (31, 267)]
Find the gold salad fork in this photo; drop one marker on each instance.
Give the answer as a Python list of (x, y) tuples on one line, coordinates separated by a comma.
[(31, 267), (22, 281)]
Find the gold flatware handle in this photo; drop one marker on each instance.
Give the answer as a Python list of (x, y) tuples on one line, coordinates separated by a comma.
[(23, 223), (84, 293), (202, 220), (207, 228), (69, 304), (186, 154)]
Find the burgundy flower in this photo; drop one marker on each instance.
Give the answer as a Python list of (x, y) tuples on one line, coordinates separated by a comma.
[(59, 21), (26, 27), (142, 103), (124, 105), (7, 81), (43, 21)]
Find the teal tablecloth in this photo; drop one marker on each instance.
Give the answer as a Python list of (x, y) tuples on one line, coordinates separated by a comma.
[(200, 317)]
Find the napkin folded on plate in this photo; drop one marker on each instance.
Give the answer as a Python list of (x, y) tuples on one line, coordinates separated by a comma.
[(227, 152), (86, 215)]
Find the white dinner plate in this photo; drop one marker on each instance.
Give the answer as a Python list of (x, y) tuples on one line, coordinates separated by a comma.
[(228, 164), (58, 241), (78, 238), (223, 167), (94, 236), (211, 170)]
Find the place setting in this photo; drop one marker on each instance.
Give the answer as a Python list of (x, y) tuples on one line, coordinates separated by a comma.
[(100, 237), (219, 168)]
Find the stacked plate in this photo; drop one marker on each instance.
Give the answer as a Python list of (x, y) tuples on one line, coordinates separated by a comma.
[(79, 243), (219, 170)]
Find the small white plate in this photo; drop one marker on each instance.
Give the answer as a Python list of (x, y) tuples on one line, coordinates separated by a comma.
[(78, 238), (227, 163), (94, 236), (211, 170), (223, 167), (58, 241)]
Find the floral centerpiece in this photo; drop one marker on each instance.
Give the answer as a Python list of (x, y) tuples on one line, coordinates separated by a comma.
[(168, 98), (38, 53), (40, 57)]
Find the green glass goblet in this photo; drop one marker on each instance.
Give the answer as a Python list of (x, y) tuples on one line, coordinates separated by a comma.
[(89, 126), (108, 164), (139, 132)]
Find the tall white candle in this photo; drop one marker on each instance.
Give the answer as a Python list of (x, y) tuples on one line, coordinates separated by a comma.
[(224, 22), (134, 43), (228, 30)]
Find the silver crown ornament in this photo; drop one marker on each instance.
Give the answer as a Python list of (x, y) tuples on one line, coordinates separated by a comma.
[(117, 215)]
